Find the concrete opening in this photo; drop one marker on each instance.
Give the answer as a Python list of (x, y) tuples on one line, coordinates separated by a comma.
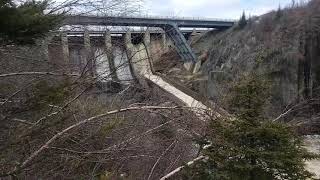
[(137, 38)]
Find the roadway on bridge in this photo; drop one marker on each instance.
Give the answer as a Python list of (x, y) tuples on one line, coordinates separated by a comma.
[(148, 21)]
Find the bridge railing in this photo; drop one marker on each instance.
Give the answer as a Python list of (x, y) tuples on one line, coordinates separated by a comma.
[(188, 18), (164, 17)]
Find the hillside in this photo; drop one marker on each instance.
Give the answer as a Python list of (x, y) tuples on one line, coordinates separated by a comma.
[(282, 46)]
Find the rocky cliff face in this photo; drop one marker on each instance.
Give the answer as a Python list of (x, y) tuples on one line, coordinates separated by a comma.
[(282, 46)]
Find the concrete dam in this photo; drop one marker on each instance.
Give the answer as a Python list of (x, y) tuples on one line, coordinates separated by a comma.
[(109, 51)]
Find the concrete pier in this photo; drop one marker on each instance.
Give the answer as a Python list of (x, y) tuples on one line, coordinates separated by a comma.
[(65, 47), (146, 38), (109, 53), (130, 50), (90, 60), (45, 47), (164, 42), (148, 60)]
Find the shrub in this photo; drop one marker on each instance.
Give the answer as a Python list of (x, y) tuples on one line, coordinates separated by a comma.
[(250, 147)]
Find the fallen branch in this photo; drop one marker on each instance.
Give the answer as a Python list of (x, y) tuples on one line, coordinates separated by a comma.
[(22, 121), (283, 115), (181, 167), (37, 73), (188, 164), (17, 92), (292, 109), (156, 163), (136, 137)]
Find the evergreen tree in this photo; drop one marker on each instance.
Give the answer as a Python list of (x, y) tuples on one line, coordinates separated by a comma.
[(243, 20), (250, 147), (24, 23), (278, 13)]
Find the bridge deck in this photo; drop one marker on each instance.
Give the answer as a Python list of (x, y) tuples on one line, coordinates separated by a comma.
[(101, 33), (147, 22)]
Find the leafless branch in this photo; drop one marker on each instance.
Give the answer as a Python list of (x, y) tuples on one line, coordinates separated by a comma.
[(181, 167), (156, 163), (37, 73), (61, 133)]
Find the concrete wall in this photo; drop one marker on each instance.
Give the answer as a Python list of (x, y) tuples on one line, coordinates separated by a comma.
[(104, 53)]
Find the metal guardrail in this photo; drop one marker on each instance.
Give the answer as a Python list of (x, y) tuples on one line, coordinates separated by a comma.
[(179, 18), (164, 17), (124, 31)]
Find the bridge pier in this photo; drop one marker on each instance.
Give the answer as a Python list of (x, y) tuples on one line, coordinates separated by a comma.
[(65, 47), (110, 57), (164, 42), (88, 53), (138, 57), (147, 42), (45, 47), (146, 38), (148, 60), (190, 37), (130, 54)]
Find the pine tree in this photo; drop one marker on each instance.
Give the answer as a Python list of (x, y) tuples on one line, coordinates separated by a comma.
[(243, 21), (24, 23), (250, 147), (279, 13)]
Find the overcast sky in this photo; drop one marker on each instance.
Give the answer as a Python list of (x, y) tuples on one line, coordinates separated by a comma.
[(211, 8)]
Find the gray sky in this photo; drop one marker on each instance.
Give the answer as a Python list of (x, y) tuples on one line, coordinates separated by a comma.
[(211, 8)]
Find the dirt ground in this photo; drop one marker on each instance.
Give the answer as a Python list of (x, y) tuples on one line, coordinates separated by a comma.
[(313, 145)]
